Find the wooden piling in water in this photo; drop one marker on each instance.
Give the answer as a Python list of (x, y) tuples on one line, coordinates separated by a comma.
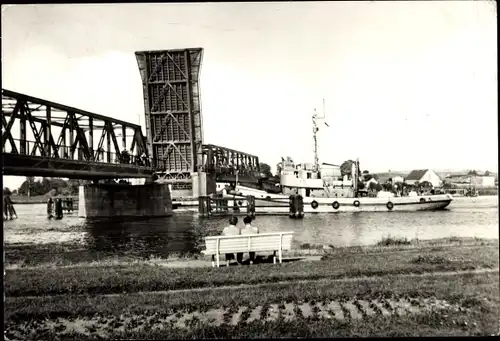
[(219, 205), (50, 208), (251, 205), (58, 209), (296, 206), (204, 208)]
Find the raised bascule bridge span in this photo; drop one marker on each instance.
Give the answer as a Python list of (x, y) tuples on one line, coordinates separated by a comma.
[(45, 138), (174, 126)]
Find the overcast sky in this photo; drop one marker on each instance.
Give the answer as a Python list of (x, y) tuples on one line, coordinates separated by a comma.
[(407, 84)]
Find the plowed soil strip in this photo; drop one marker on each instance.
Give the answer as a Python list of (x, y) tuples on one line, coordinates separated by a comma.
[(215, 317)]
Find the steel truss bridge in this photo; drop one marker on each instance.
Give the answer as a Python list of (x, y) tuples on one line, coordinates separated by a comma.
[(43, 138)]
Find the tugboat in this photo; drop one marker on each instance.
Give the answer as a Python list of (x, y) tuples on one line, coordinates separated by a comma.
[(325, 190)]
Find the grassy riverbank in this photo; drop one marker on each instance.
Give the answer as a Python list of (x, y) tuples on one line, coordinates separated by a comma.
[(374, 290), (138, 277), (57, 255)]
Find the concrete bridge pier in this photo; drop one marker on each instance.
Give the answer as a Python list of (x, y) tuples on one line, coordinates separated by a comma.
[(200, 184), (203, 184), (122, 200)]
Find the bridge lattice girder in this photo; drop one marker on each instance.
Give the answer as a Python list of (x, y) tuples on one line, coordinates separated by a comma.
[(44, 138), (172, 110), (225, 163)]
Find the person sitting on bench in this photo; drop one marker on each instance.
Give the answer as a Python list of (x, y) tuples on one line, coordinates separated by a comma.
[(249, 229), (233, 230)]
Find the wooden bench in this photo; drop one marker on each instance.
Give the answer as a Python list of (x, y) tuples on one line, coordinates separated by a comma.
[(275, 242)]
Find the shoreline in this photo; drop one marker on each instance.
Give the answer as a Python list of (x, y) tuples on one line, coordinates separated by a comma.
[(197, 259), (370, 262), (36, 202), (39, 199)]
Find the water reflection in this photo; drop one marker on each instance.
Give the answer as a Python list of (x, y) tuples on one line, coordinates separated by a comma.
[(357, 234), (144, 238), (184, 232)]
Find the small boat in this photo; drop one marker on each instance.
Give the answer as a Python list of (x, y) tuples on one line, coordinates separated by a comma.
[(326, 188)]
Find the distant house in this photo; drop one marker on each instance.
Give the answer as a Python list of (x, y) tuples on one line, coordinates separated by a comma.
[(397, 178), (471, 180), (390, 178), (483, 181), (422, 175)]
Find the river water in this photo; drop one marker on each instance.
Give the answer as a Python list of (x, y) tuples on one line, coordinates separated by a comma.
[(184, 232)]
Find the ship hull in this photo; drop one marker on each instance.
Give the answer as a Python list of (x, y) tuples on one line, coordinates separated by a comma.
[(381, 205), (338, 205)]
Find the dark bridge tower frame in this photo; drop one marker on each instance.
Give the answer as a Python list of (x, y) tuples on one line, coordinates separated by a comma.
[(173, 111)]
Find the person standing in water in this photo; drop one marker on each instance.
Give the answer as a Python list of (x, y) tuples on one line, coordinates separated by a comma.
[(249, 229), (232, 230), (8, 207), (50, 208)]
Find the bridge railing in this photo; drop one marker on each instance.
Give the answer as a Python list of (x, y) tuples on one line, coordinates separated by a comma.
[(243, 170), (35, 149)]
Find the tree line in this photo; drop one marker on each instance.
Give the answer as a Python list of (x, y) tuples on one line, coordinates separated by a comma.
[(54, 186)]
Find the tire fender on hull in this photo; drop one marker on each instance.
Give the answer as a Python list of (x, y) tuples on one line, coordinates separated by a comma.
[(335, 205), (389, 206)]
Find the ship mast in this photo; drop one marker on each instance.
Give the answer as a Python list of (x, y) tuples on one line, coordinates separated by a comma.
[(315, 131)]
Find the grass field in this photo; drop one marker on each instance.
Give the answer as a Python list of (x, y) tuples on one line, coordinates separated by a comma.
[(384, 291), (393, 306), (138, 277)]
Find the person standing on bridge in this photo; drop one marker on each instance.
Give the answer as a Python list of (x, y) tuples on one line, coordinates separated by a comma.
[(249, 229), (125, 156), (135, 158), (100, 154), (233, 230), (144, 159)]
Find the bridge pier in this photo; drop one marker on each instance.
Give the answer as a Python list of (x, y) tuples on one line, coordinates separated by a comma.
[(203, 184), (121, 200), (200, 184)]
